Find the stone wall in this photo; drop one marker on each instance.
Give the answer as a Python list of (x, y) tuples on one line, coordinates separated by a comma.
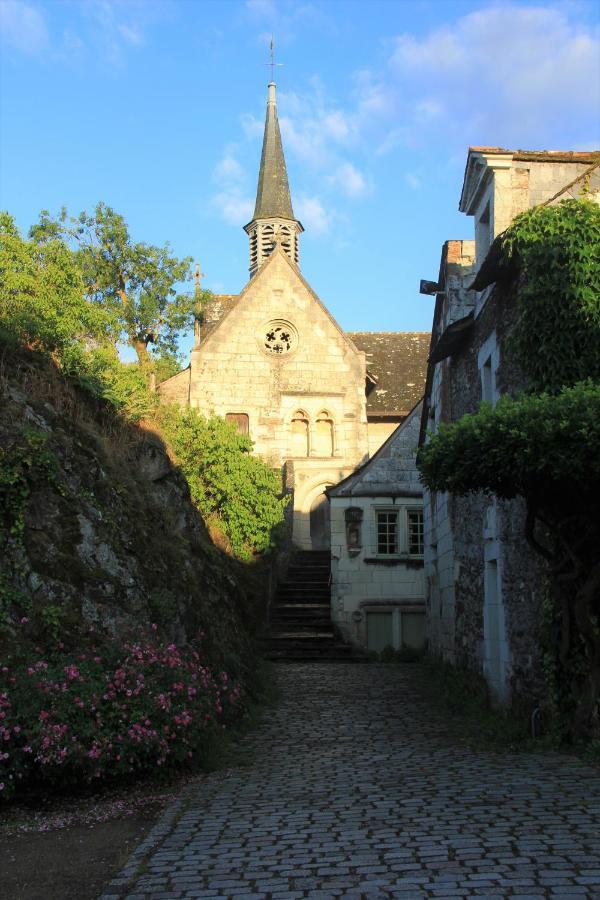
[(484, 583), (317, 383), (468, 539), (177, 388)]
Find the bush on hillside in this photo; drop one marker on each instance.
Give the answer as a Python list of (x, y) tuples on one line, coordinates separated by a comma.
[(226, 482)]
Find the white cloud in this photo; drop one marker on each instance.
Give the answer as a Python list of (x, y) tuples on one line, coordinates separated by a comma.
[(349, 180), (233, 206), (228, 168), (500, 75), (311, 213), (131, 34), (23, 27), (232, 200), (413, 181)]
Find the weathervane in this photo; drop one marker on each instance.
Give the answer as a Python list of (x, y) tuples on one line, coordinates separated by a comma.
[(273, 64)]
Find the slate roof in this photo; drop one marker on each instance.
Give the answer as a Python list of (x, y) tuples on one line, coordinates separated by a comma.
[(214, 311), (578, 156), (398, 360), (273, 199)]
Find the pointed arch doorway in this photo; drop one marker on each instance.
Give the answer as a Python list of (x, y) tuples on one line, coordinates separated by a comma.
[(320, 534)]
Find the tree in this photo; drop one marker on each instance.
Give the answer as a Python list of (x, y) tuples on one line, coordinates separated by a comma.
[(226, 482), (137, 282), (42, 298), (544, 445)]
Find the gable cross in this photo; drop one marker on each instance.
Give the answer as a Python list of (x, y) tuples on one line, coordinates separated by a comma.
[(197, 311)]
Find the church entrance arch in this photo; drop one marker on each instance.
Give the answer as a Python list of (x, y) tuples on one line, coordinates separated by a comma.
[(320, 535)]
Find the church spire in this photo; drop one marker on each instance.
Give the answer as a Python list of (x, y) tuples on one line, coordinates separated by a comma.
[(273, 193), (273, 221)]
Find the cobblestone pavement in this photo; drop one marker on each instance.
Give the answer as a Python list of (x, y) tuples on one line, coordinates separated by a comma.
[(356, 789)]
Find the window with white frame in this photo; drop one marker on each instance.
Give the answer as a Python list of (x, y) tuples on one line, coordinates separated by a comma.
[(399, 532), (387, 532), (415, 531)]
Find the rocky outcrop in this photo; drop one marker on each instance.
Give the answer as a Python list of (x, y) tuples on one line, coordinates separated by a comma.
[(103, 532)]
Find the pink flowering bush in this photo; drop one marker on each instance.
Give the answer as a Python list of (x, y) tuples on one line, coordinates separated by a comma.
[(107, 713)]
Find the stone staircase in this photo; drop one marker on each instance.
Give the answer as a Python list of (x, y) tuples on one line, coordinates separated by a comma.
[(301, 627)]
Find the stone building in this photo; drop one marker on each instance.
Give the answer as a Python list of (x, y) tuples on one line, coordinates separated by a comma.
[(484, 583), (378, 589), (274, 360)]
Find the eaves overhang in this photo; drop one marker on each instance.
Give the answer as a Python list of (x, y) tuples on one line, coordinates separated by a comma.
[(452, 339)]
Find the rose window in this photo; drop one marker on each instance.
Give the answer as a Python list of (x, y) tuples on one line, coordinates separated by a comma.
[(279, 338)]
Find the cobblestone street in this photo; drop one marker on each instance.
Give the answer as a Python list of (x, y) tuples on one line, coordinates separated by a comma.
[(355, 789)]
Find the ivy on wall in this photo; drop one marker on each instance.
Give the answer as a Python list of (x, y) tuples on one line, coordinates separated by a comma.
[(544, 445)]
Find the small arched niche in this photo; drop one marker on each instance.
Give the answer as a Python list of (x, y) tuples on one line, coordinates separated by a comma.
[(300, 434), (323, 435)]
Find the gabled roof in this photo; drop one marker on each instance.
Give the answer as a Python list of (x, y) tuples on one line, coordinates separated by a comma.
[(397, 360), (214, 311), (391, 471), (230, 301)]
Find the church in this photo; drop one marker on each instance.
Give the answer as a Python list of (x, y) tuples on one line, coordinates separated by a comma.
[(315, 400)]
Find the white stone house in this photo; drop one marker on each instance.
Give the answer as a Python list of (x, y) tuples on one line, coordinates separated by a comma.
[(484, 584), (378, 588)]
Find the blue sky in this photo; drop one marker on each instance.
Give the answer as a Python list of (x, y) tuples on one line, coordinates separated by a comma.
[(156, 107)]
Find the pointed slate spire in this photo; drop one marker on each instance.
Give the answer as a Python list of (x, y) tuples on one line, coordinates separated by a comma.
[(273, 192), (273, 221)]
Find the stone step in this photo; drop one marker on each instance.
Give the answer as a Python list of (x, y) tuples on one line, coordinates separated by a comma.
[(296, 610), (303, 582), (295, 586), (302, 634), (314, 651)]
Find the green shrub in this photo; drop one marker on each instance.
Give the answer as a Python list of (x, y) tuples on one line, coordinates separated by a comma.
[(226, 481)]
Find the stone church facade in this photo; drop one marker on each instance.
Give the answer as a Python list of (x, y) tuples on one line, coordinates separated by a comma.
[(274, 360)]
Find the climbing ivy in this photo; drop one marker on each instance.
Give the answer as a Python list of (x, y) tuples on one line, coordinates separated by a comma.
[(22, 464), (556, 250), (543, 445)]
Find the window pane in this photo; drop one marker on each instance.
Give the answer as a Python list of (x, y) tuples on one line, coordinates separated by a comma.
[(387, 539), (415, 532)]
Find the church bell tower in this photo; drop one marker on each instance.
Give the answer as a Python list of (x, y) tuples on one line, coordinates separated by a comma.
[(273, 221)]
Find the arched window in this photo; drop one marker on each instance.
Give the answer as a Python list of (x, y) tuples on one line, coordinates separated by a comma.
[(300, 432), (323, 435)]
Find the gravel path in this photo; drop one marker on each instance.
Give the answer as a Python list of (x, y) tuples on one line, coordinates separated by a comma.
[(356, 789)]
